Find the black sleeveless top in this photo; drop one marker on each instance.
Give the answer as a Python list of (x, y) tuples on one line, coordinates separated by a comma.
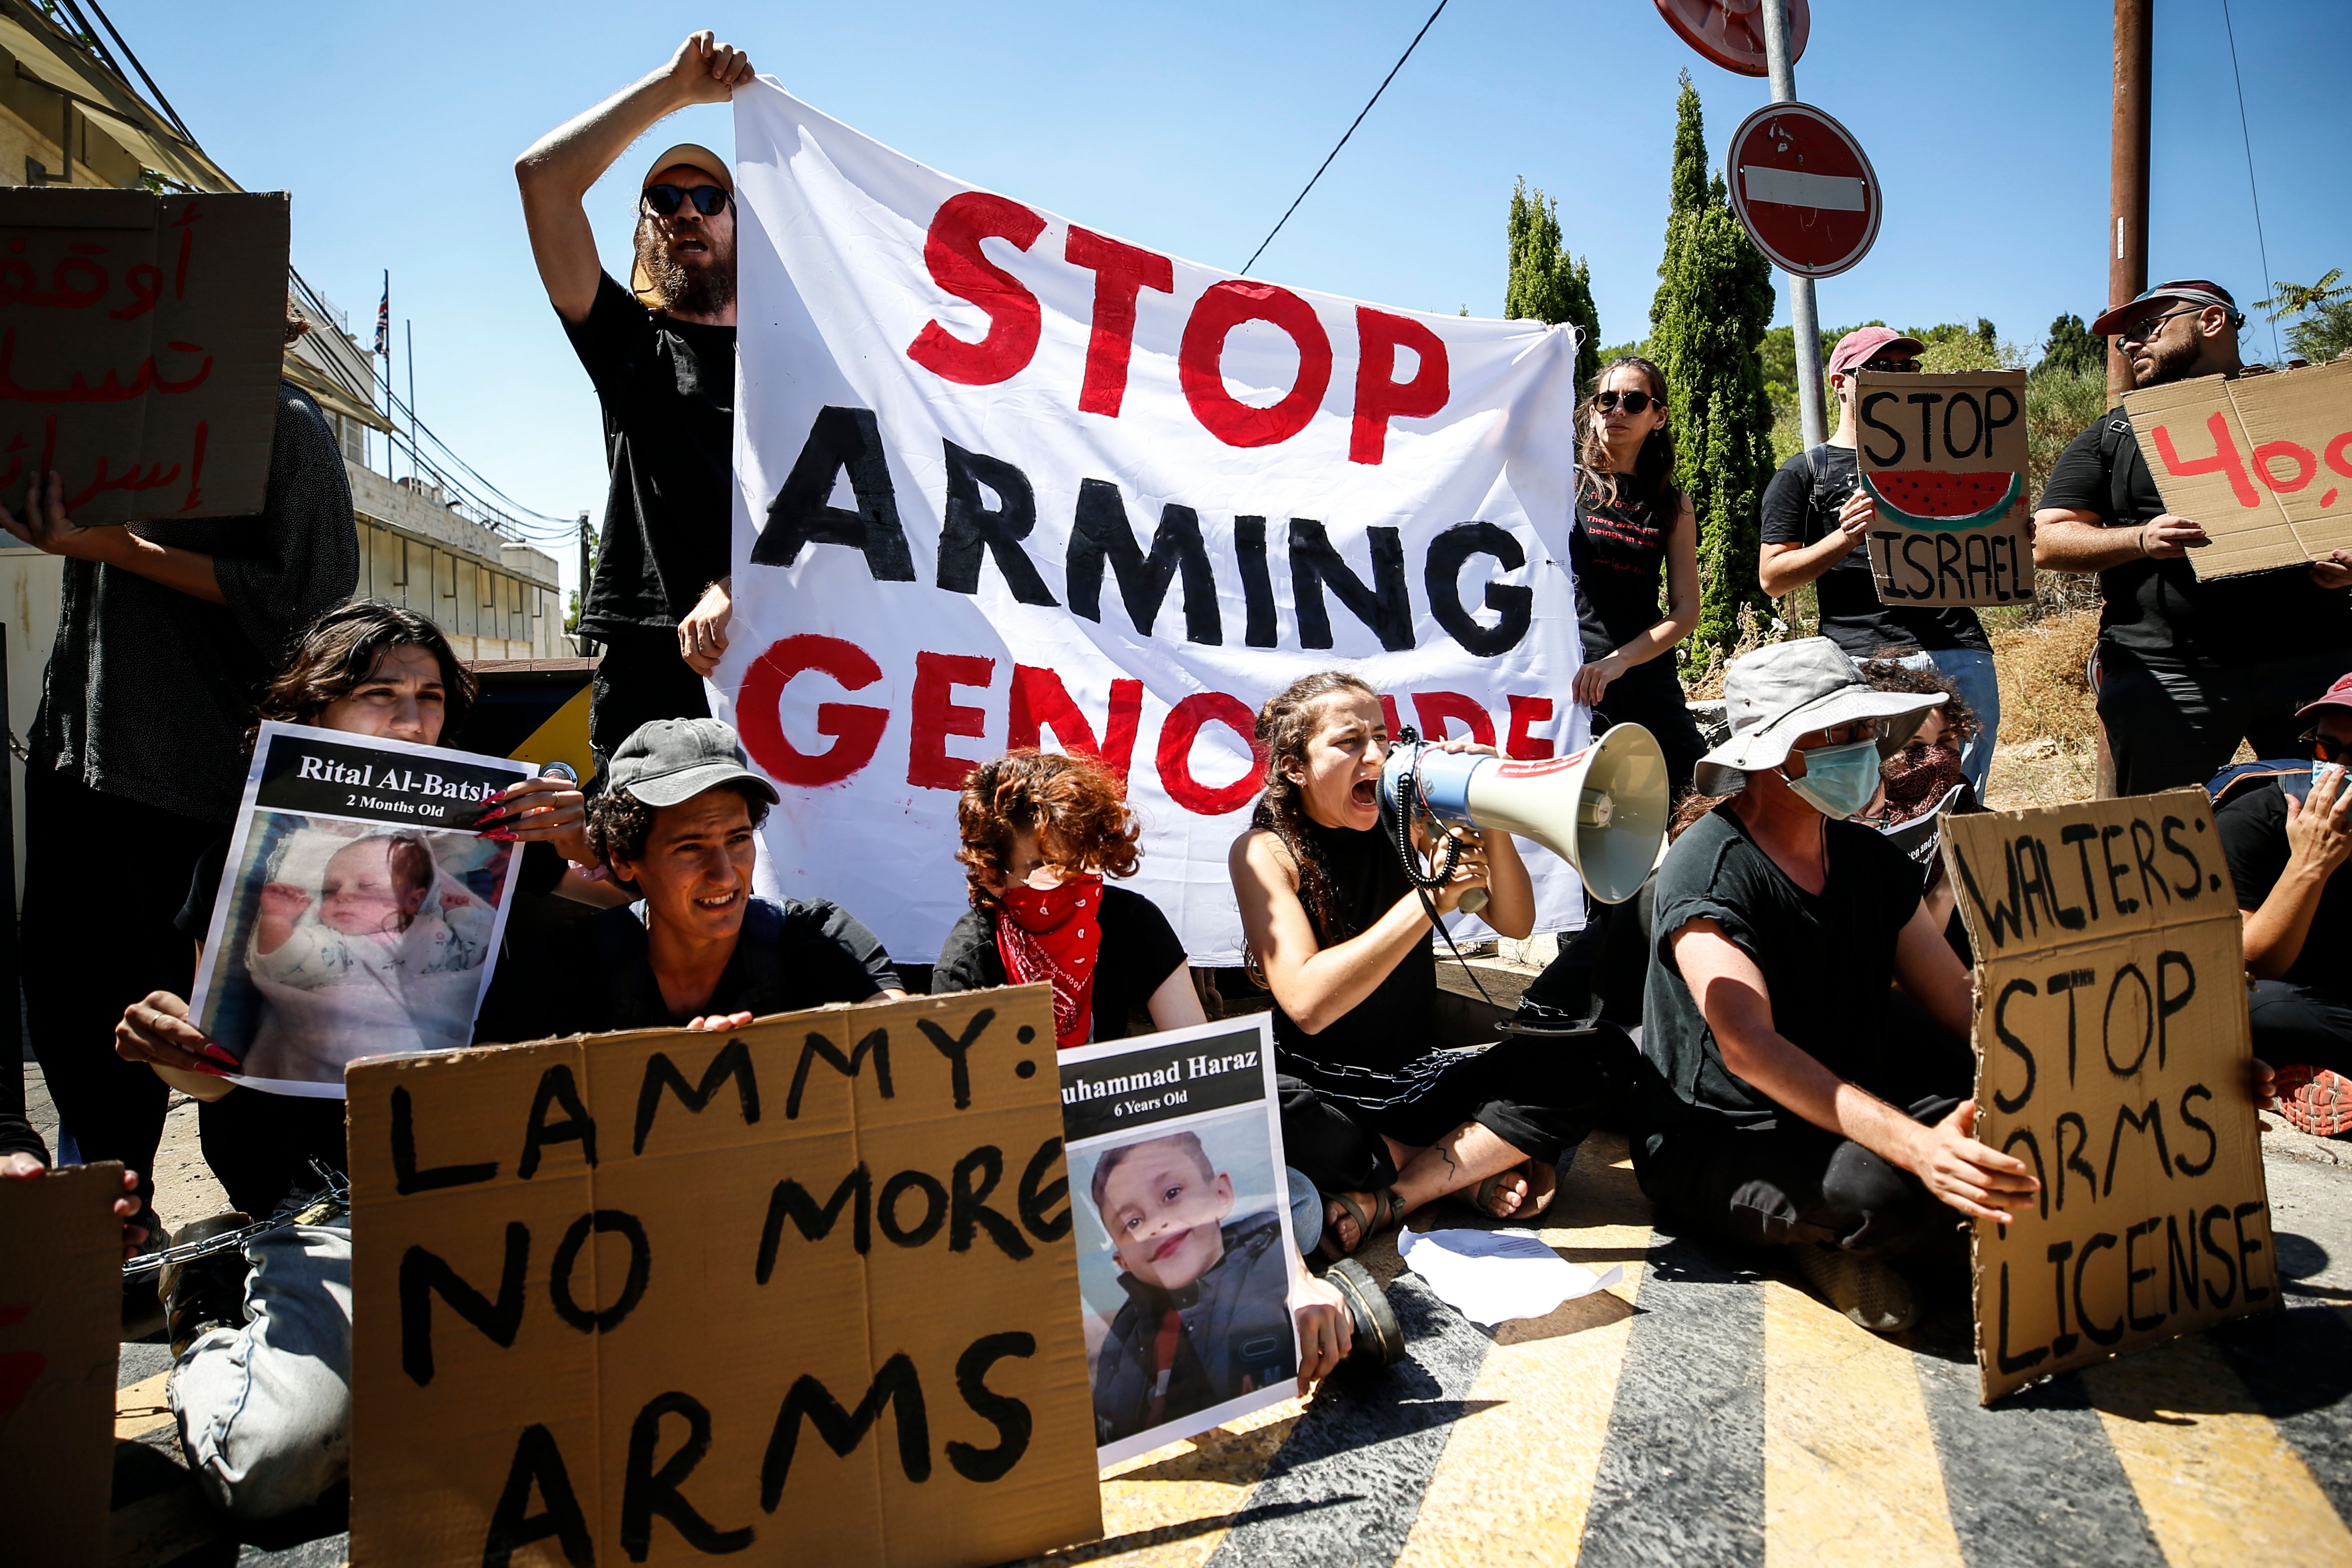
[(1616, 549), (1379, 1052)]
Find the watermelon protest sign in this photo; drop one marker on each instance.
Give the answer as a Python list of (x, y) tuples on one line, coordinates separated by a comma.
[(2264, 461), (1943, 459), (1004, 481), (2113, 1057), (805, 1288)]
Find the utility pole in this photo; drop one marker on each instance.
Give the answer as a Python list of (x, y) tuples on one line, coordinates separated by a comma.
[(580, 634), (1804, 320), (409, 329), (2127, 172)]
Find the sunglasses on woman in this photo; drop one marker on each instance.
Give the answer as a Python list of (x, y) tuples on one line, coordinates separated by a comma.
[(663, 201), (1631, 401), (2326, 748)]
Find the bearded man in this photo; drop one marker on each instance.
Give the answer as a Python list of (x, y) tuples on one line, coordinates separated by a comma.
[(662, 356), (2187, 669)]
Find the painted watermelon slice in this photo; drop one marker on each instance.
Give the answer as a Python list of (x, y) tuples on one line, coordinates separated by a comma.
[(1929, 498)]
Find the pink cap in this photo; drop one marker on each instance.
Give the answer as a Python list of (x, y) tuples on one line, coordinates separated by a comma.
[(2338, 696), (1864, 343)]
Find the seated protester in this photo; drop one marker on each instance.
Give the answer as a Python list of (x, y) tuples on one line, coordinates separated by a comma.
[(2287, 842), (675, 825), (262, 1383), (1804, 1116), (1040, 833), (1378, 1118), (1926, 777)]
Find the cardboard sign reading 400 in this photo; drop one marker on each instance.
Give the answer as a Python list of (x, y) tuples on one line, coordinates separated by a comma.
[(2113, 1057), (651, 1297), (1943, 459), (2264, 462)]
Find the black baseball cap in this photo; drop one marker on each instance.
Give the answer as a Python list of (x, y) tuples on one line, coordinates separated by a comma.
[(2189, 291), (670, 761)]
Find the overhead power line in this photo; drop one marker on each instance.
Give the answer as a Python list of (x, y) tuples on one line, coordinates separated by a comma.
[(1343, 140), (2261, 246)]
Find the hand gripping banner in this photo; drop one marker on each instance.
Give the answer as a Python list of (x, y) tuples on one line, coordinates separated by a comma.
[(1001, 481)]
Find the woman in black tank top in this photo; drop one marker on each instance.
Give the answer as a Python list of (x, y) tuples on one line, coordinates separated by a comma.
[(1631, 522), (1380, 1120)]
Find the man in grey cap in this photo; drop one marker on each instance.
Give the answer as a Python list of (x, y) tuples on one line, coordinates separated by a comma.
[(1802, 1113), (662, 356), (676, 825), (2187, 670)]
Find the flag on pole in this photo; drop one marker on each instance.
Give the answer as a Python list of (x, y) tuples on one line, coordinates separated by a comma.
[(383, 319)]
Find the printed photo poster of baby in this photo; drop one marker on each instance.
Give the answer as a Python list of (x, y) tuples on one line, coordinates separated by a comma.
[(1185, 1256), (360, 912)]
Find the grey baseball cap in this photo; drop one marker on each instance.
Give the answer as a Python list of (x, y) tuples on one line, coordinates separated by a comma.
[(669, 761), (1790, 688)]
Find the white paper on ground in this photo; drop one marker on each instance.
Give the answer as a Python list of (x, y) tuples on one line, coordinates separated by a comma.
[(1491, 1276)]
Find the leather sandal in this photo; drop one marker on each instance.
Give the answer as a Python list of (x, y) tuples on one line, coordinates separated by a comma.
[(1386, 1211)]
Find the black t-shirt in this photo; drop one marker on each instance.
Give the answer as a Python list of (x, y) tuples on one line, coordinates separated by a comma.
[(1139, 950), (1827, 957), (1616, 549), (668, 392), (594, 977), (2252, 826), (1801, 506), (1368, 1053), (2157, 613)]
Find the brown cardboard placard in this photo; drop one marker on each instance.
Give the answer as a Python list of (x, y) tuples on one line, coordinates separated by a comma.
[(646, 1296), (2112, 1056), (1943, 456), (140, 340), (61, 1302), (2264, 461)]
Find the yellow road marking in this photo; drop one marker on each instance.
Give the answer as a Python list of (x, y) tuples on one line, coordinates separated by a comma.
[(1849, 1467), (1175, 1503), (1515, 1483), (2218, 1482), (142, 1407)]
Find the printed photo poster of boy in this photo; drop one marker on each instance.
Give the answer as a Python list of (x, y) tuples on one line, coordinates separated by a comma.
[(1185, 1254), (360, 912)]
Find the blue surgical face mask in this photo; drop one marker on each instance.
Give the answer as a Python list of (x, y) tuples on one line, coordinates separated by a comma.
[(1839, 780)]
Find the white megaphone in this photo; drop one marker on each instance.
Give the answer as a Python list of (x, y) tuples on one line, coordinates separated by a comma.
[(1602, 809)]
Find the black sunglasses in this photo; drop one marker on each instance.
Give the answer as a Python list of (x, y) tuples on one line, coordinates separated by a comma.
[(2144, 330), (2325, 748), (1631, 401), (663, 201), (1890, 367)]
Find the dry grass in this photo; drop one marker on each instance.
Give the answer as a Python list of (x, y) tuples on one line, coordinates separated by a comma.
[(2048, 753)]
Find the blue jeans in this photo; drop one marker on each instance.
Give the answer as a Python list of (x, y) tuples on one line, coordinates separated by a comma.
[(1969, 670)]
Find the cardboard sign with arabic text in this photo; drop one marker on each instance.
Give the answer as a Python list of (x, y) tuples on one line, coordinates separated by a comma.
[(805, 1289), (2113, 1057), (141, 344), (1943, 459), (2264, 462)]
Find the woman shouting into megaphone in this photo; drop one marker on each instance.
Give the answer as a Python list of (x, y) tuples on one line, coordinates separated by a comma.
[(1380, 1119)]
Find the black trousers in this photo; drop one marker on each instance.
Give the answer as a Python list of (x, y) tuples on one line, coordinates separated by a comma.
[(103, 877), (1651, 695), (641, 678), (261, 1145), (1541, 1097), (2301, 1026), (2168, 729)]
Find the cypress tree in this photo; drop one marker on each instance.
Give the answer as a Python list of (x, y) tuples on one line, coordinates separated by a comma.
[(1547, 284), (1713, 305)]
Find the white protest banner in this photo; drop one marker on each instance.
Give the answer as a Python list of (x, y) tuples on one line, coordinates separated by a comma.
[(1003, 481)]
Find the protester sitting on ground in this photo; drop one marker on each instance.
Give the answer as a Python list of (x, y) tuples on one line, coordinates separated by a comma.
[(2287, 842), (2187, 669), (262, 1381), (1632, 519), (1806, 1117), (663, 360), (165, 630), (675, 825), (1377, 1116), (1816, 527)]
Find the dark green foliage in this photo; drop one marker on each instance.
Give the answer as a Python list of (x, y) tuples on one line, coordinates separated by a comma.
[(2325, 330), (1547, 284), (2071, 348), (1713, 302)]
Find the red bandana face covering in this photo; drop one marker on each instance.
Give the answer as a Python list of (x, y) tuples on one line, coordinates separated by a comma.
[(1055, 934)]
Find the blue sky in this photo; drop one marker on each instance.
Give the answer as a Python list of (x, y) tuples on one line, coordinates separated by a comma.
[(1190, 127)]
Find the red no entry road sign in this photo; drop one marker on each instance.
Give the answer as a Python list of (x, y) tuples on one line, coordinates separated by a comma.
[(1731, 33), (1805, 190)]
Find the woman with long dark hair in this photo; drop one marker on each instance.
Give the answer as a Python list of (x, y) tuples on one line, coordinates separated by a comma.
[(1633, 524), (1377, 1117)]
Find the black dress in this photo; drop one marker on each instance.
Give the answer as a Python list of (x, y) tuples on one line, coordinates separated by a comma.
[(1617, 551), (1376, 1071)]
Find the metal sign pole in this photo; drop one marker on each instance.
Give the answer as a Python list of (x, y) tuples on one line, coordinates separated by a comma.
[(1803, 318)]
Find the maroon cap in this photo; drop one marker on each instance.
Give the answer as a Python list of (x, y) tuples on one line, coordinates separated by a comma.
[(1864, 343), (2188, 291), (2338, 696)]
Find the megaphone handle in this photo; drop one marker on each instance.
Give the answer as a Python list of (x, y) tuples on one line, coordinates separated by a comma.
[(1472, 901)]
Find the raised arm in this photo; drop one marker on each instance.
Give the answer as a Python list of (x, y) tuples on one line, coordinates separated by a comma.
[(557, 170)]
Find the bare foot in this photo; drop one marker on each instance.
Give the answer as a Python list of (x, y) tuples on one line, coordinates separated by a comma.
[(1522, 1192)]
